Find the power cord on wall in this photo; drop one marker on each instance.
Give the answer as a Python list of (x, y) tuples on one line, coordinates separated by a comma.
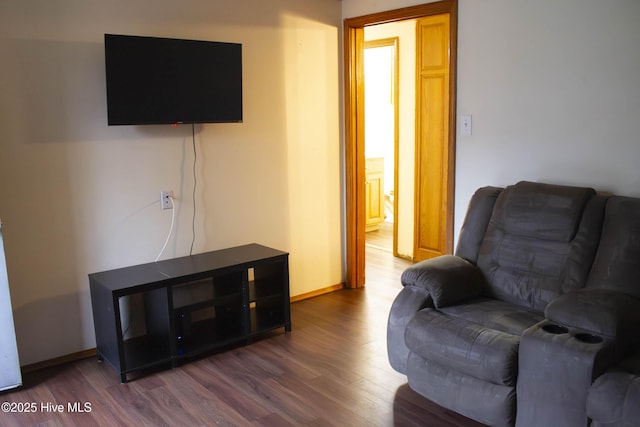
[(173, 210), (173, 217)]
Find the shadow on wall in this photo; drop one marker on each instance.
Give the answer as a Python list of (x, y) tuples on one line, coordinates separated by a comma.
[(60, 327), (54, 96), (57, 92)]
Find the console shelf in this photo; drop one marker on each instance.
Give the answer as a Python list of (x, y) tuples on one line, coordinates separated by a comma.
[(161, 313)]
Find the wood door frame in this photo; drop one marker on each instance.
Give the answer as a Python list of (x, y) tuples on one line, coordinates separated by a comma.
[(354, 124)]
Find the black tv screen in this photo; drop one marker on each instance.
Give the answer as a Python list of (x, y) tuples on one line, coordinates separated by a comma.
[(153, 80)]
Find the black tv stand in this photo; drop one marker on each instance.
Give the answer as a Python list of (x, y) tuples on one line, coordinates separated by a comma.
[(192, 305)]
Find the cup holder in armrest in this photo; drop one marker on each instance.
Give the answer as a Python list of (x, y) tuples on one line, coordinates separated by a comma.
[(552, 328), (588, 338)]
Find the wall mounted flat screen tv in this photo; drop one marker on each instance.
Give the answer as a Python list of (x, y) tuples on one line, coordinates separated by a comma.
[(153, 80)]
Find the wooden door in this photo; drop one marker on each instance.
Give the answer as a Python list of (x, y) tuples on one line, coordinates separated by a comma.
[(433, 195)]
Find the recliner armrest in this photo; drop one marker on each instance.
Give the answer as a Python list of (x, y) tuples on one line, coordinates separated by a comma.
[(448, 278), (604, 312)]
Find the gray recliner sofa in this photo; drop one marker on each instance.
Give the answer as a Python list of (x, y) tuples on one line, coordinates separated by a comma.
[(534, 305)]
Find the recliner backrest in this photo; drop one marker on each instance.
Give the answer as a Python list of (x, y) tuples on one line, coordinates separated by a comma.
[(540, 242), (476, 222)]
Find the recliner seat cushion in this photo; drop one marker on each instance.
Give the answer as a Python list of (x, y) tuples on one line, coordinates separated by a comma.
[(464, 346), (495, 314)]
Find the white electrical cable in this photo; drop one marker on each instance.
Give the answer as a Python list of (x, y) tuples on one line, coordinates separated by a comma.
[(173, 216)]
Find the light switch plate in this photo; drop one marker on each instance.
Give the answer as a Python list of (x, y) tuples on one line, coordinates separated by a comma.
[(465, 125)]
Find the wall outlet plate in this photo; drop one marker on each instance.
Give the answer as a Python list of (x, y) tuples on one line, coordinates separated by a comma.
[(165, 199)]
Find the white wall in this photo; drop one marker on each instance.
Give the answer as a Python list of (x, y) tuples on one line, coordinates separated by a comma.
[(553, 88), (77, 196)]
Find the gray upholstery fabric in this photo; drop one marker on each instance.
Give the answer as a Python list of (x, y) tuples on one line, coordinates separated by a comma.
[(463, 346), (487, 403), (614, 397), (601, 311), (614, 400), (543, 211), (540, 242), (555, 371), (499, 315), (606, 397), (410, 300), (475, 222), (448, 278), (616, 266)]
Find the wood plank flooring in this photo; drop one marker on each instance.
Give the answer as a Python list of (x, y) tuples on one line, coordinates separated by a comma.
[(331, 370), (382, 238)]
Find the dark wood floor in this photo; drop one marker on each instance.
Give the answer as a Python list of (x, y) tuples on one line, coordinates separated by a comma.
[(331, 370)]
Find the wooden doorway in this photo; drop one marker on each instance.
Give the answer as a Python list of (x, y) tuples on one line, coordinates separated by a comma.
[(354, 131)]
